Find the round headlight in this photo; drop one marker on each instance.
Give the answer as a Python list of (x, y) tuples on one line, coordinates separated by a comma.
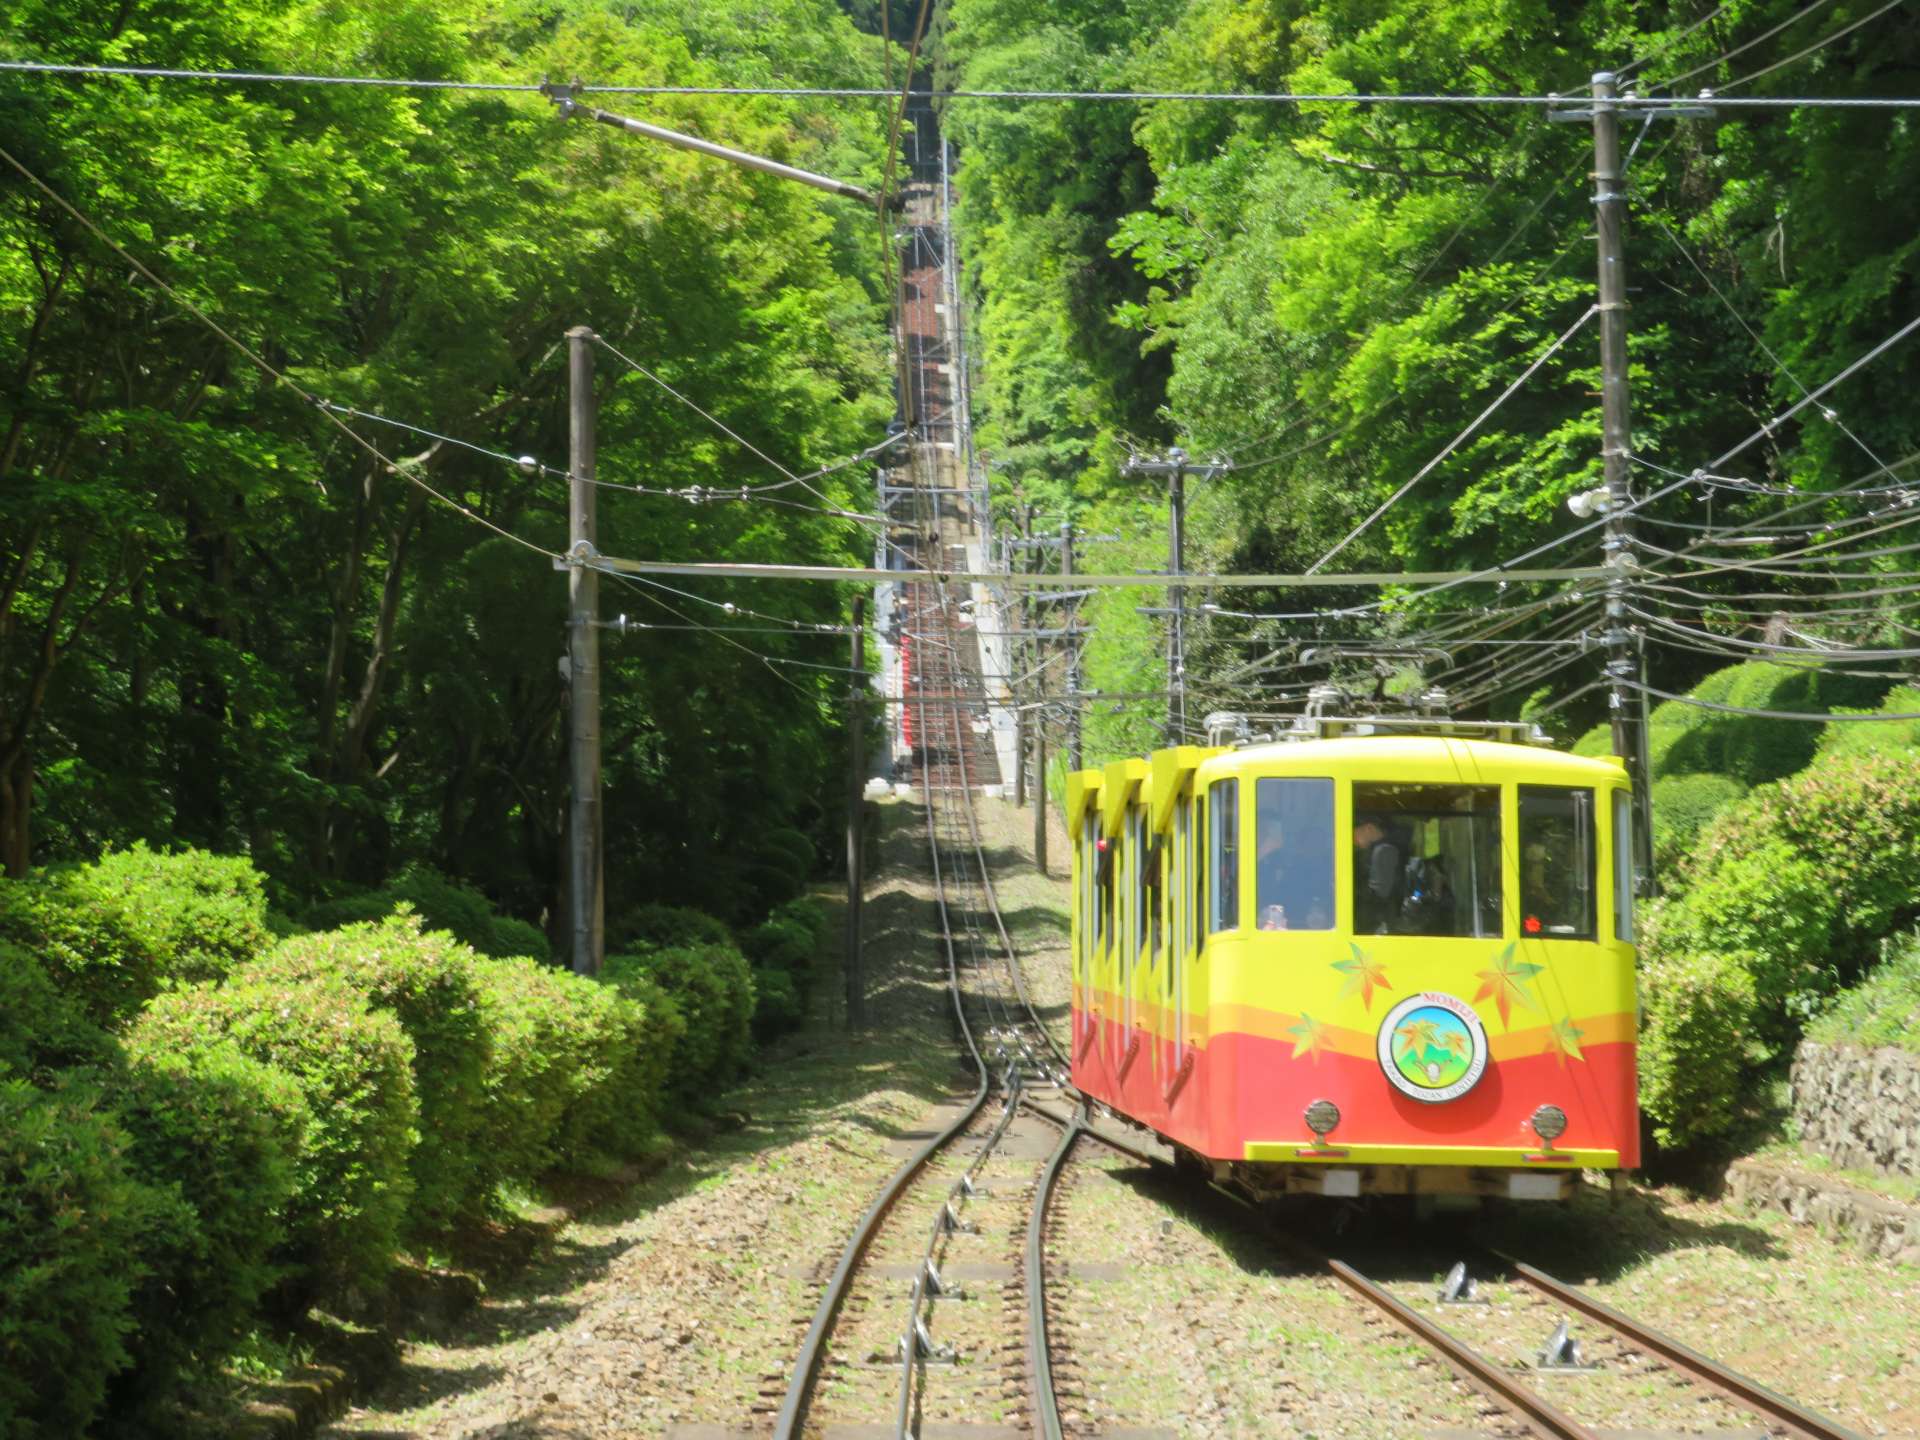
[(1322, 1116), (1549, 1122)]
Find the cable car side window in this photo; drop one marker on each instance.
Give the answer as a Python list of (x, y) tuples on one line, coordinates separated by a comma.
[(1623, 866), (1556, 863), (1426, 860), (1224, 890), (1293, 854)]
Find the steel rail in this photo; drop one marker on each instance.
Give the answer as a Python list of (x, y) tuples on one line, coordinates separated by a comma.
[(1046, 1404), (1540, 1415), (793, 1405), (923, 1282), (1711, 1373)]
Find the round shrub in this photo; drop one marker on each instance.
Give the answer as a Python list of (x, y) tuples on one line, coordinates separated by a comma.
[(222, 1134), (713, 988), (426, 981), (1697, 1013), (116, 933), (805, 910), (206, 914), (354, 1066), (780, 944), (658, 1030), (1682, 807), (567, 1077), (511, 937), (42, 1031), (777, 1006), (71, 1218), (658, 926), (443, 904)]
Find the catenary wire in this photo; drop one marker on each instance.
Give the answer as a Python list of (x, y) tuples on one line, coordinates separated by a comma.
[(1457, 441), (1800, 55), (832, 92), (1744, 46)]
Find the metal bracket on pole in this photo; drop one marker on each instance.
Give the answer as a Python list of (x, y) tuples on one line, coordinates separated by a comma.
[(566, 100)]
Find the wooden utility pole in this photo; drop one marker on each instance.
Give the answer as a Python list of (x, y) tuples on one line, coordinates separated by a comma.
[(586, 863), (856, 806)]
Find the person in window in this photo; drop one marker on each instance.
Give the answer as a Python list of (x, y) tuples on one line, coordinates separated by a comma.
[(1544, 902), (1292, 866), (1379, 859)]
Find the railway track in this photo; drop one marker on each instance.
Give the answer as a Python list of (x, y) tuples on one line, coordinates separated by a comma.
[(1020, 1073)]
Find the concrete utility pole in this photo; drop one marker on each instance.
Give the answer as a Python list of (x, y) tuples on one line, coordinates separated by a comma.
[(1626, 658), (1039, 795), (1175, 467), (856, 807), (585, 839)]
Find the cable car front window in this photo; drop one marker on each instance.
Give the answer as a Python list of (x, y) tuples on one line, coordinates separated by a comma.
[(1426, 860), (1556, 863), (1293, 848)]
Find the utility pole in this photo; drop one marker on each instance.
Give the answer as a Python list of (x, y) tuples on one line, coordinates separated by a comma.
[(1073, 650), (856, 805), (1175, 468), (1039, 794), (1020, 721), (586, 867), (1626, 669)]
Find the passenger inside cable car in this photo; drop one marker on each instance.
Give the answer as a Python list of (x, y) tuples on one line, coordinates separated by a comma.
[(1426, 860), (1294, 854)]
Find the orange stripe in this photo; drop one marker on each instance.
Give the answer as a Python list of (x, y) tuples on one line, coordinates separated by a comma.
[(1236, 1019)]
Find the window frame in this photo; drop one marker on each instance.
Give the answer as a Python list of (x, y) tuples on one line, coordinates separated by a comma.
[(1496, 812), (1584, 798), (1332, 857), (1623, 865), (1223, 874)]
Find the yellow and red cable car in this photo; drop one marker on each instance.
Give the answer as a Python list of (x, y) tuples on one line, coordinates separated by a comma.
[(1370, 957)]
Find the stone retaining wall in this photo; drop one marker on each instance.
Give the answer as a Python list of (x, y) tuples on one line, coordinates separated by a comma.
[(1859, 1108), (1875, 1225)]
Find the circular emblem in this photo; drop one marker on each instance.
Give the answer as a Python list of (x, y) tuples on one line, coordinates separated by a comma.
[(1432, 1047)]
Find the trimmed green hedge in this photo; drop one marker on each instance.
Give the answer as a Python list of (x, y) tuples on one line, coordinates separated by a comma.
[(219, 1134), (354, 1065), (1883, 1009), (71, 1221), (654, 927), (576, 1066), (1748, 749), (42, 1030), (712, 986), (443, 904), (1683, 806), (427, 981), (118, 932), (1781, 903)]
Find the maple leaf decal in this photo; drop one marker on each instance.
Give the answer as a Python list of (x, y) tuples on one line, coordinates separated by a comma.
[(1309, 1038), (1563, 1041), (1364, 976), (1417, 1036), (1506, 984)]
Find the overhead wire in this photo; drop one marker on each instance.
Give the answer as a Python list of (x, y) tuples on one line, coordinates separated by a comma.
[(1800, 55), (396, 467), (1745, 46), (851, 92)]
